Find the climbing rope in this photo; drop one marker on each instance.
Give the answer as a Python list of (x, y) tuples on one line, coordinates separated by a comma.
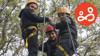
[(52, 7), (69, 30), (43, 28), (39, 15), (39, 8)]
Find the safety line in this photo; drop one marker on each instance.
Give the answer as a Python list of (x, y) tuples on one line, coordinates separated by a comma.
[(43, 28)]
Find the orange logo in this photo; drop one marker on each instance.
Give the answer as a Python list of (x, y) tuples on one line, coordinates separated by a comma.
[(86, 14)]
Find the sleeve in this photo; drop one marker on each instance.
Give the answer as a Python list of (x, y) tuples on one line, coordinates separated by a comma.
[(33, 17), (53, 24), (60, 25), (40, 48)]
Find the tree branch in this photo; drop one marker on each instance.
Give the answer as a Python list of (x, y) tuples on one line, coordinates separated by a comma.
[(17, 50), (6, 47)]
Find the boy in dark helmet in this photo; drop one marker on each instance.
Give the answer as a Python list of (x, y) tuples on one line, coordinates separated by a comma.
[(65, 45), (50, 44), (29, 26)]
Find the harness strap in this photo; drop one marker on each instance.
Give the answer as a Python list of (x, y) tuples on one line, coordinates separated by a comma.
[(62, 49), (32, 34), (31, 27), (54, 53), (26, 44)]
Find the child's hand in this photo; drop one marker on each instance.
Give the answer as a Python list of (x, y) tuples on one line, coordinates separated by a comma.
[(38, 44), (57, 40), (51, 19)]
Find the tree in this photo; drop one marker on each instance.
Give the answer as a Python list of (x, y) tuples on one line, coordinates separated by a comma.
[(9, 26), (11, 42)]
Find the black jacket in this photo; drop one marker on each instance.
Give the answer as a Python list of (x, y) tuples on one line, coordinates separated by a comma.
[(30, 19), (48, 48), (63, 27)]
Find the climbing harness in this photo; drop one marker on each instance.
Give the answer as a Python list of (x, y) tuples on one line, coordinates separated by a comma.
[(62, 49), (30, 35)]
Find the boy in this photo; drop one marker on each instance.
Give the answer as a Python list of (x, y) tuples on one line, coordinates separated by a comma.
[(29, 26), (50, 44), (65, 46)]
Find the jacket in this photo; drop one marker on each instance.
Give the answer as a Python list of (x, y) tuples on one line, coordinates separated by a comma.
[(49, 48), (30, 19), (63, 27)]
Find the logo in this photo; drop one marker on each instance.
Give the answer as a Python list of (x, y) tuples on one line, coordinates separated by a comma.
[(86, 14)]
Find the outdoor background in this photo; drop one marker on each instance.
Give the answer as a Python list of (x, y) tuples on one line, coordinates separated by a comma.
[(11, 42)]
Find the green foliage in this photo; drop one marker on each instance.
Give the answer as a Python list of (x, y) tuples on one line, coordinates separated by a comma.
[(10, 31), (9, 25)]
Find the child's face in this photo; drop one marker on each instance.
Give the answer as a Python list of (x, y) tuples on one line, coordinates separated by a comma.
[(51, 35), (33, 7), (61, 16)]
